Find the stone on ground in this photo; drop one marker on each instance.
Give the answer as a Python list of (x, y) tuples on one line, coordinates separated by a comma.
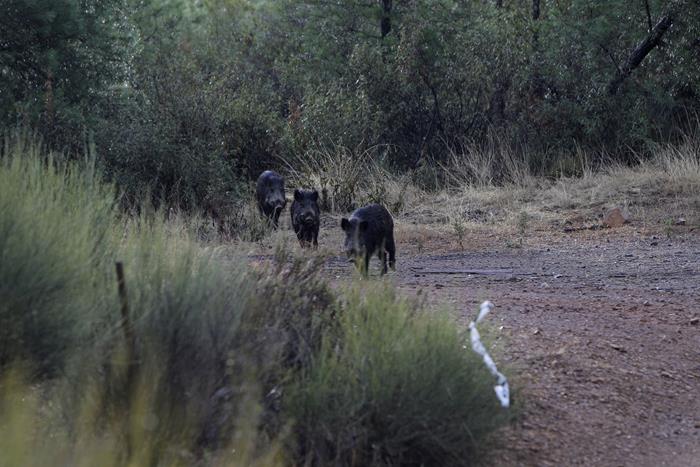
[(615, 218)]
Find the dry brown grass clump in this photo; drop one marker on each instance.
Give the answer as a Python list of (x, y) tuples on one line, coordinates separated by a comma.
[(348, 178)]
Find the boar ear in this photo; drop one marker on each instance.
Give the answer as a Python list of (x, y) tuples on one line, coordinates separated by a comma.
[(314, 196), (297, 195), (345, 224), (363, 226)]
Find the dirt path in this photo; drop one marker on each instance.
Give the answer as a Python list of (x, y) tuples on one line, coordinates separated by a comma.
[(602, 330)]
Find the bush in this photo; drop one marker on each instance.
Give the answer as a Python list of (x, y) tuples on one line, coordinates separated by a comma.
[(174, 146), (394, 386), (55, 230)]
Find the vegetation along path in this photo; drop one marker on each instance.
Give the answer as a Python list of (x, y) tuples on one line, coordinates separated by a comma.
[(600, 329)]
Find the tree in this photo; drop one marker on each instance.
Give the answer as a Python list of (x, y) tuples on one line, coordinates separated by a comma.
[(57, 58)]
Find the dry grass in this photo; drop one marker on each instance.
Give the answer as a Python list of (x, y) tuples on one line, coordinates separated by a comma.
[(494, 163), (336, 172), (654, 190), (348, 178)]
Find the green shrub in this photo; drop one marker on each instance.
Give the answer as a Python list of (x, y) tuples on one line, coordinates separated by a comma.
[(394, 386), (171, 149), (55, 230), (214, 330)]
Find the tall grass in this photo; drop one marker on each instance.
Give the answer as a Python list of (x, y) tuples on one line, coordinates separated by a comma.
[(55, 227), (198, 339), (34, 431), (495, 162)]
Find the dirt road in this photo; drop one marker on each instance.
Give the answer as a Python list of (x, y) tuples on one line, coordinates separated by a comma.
[(601, 329)]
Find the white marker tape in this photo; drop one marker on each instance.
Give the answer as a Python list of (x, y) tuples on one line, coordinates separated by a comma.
[(501, 387)]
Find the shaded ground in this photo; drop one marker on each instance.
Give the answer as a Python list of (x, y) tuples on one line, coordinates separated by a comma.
[(600, 326)]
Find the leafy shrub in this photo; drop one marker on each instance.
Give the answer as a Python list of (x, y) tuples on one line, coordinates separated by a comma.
[(174, 140), (55, 232), (394, 386)]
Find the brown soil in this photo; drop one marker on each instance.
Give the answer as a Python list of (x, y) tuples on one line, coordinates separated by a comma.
[(599, 330)]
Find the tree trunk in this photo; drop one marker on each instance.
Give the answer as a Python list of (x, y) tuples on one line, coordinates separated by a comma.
[(497, 107), (538, 87), (385, 23)]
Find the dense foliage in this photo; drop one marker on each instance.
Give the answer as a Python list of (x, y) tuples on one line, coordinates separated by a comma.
[(187, 99)]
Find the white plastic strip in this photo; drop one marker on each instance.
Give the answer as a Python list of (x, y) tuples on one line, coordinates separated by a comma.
[(501, 387)]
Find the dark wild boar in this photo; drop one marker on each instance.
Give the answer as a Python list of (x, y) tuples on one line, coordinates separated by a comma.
[(270, 195), (306, 216), (370, 229)]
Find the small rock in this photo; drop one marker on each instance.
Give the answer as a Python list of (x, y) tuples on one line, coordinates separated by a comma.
[(536, 331), (680, 221), (615, 218), (694, 321)]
